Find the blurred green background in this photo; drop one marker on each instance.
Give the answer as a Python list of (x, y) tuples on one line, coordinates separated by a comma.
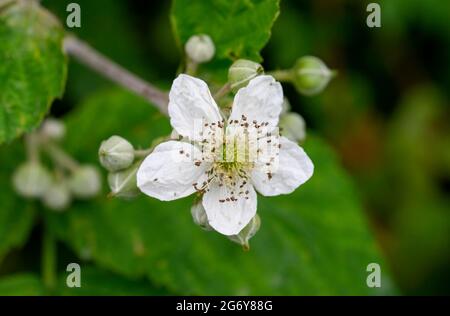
[(386, 116)]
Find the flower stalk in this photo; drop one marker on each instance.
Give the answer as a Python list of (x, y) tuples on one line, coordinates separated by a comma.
[(60, 157), (31, 146), (223, 91), (141, 153), (49, 257), (283, 75)]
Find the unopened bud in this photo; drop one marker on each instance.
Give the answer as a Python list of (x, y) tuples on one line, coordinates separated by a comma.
[(85, 182), (31, 180), (292, 126), (199, 216), (200, 48), (311, 75), (116, 153), (53, 129), (123, 183), (247, 232), (242, 71), (57, 197)]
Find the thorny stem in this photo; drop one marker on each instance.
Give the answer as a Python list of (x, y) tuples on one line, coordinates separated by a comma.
[(48, 263), (116, 73), (60, 157)]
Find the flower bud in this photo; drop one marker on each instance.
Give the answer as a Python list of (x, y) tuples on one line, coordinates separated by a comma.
[(85, 182), (200, 48), (53, 129), (311, 75), (57, 197), (292, 126), (116, 153), (242, 71), (123, 183), (199, 216), (247, 232), (31, 180)]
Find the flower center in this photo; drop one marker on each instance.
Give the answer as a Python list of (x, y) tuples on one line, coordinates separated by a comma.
[(232, 163), (233, 151)]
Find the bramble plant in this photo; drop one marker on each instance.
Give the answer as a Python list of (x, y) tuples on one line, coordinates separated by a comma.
[(223, 132)]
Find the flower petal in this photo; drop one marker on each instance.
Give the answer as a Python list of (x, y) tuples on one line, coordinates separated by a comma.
[(229, 210), (171, 171), (259, 103), (191, 106), (283, 173)]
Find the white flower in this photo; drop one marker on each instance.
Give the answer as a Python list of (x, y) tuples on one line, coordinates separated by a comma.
[(225, 159)]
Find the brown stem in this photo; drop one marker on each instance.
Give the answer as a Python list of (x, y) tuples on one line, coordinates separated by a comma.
[(116, 73)]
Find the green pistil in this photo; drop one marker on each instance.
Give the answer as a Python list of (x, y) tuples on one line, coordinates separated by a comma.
[(229, 166)]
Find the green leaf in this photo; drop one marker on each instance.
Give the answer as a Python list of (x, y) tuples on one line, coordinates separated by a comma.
[(32, 68), (239, 28), (16, 215), (314, 241), (95, 281), (26, 284)]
